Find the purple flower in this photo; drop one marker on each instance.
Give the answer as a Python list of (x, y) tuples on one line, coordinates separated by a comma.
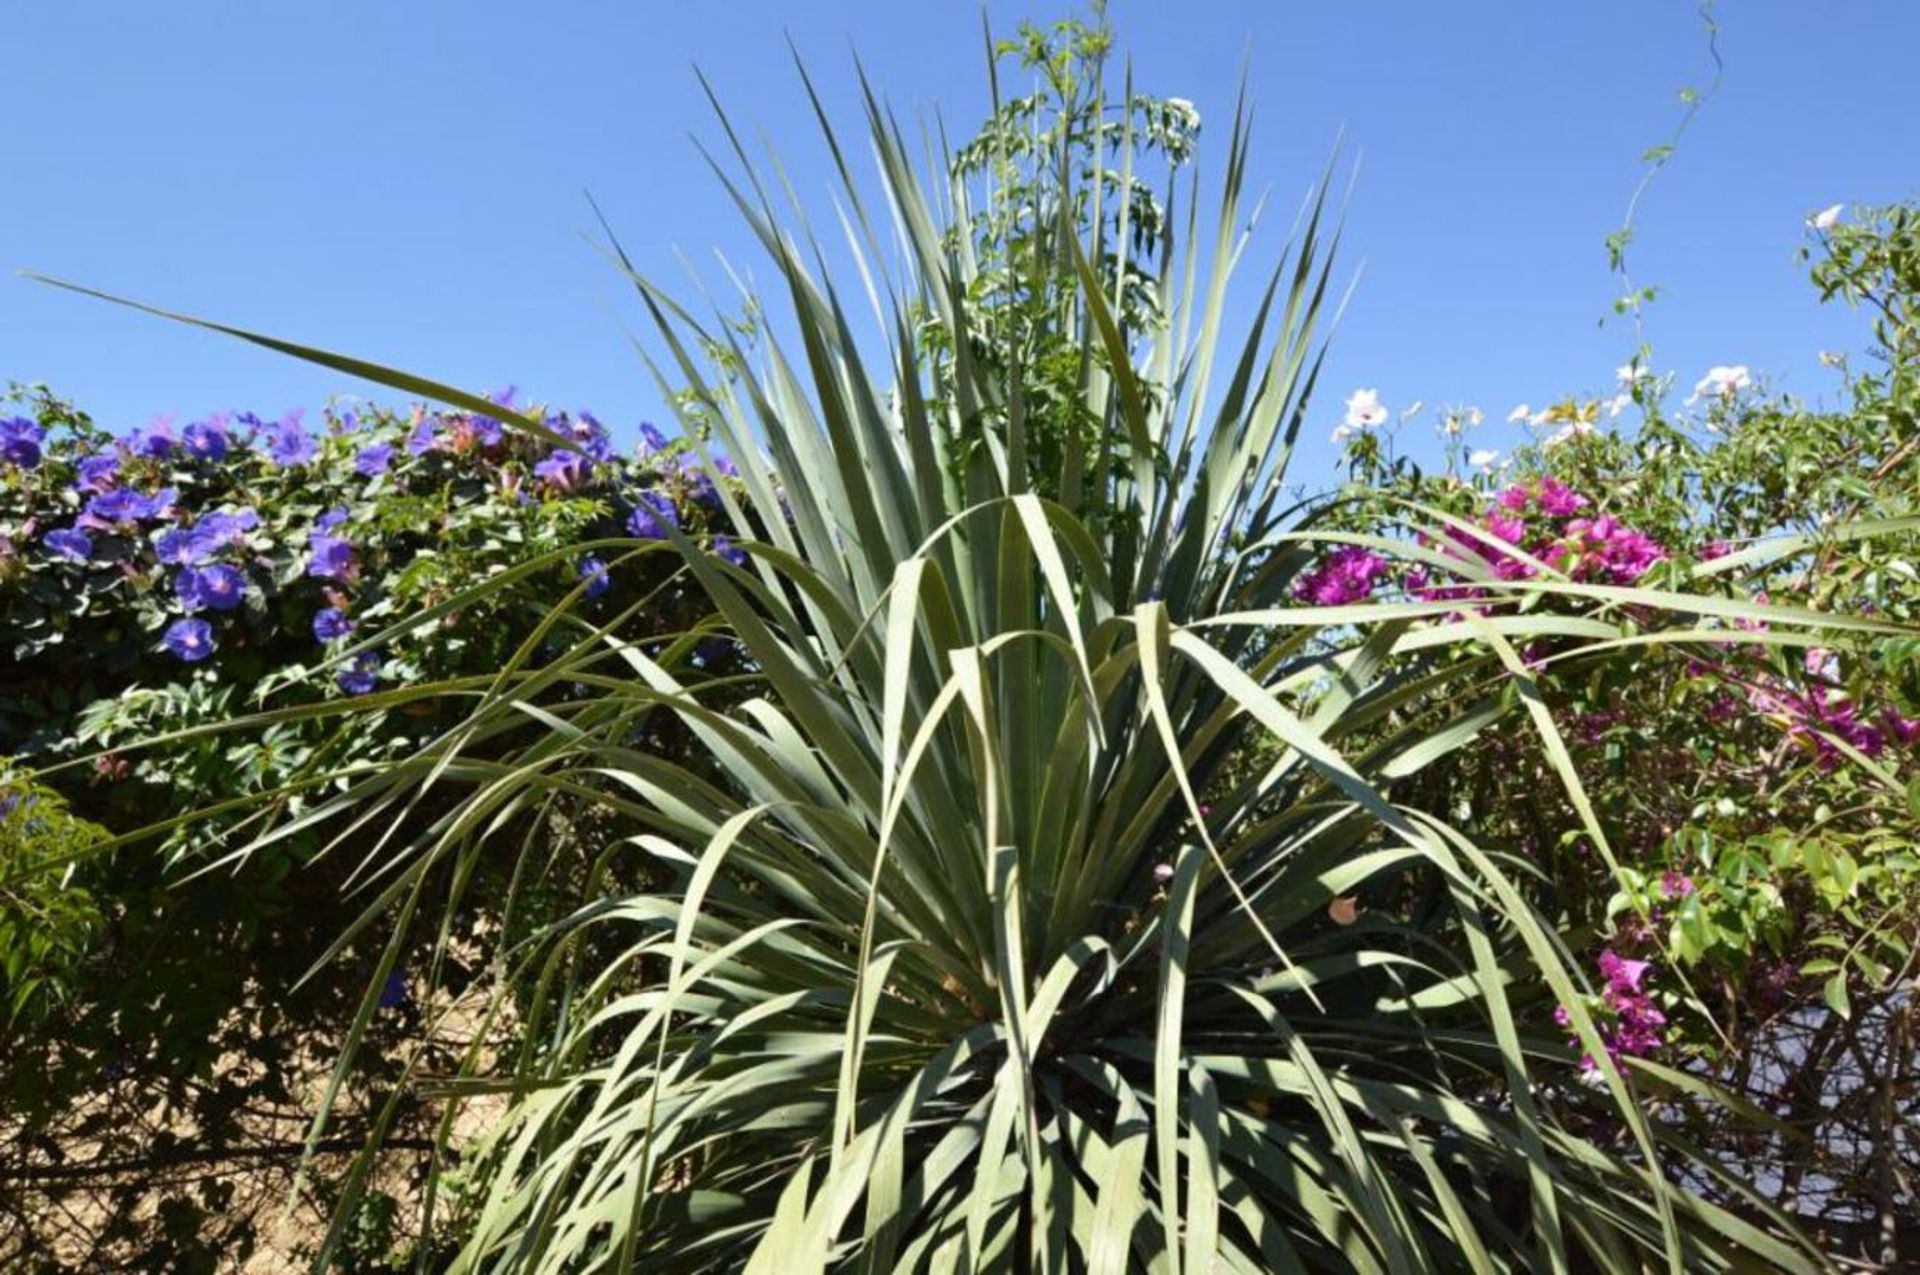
[(123, 504), (155, 442), (373, 459), (1675, 884), (20, 441), (330, 519), (1558, 500), (655, 441), (652, 516), (723, 465), (290, 445), (360, 676), (1348, 575), (423, 438), (563, 470), (1515, 498), (218, 530), (588, 434), (332, 557), (504, 396), (206, 440), (216, 588), (594, 572), (725, 550), (97, 473), (700, 488), (68, 543), (395, 993), (190, 639), (179, 547), (1621, 973), (330, 623)]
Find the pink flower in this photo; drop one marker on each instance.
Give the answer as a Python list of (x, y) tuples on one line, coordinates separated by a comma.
[(1675, 884), (1622, 973), (1348, 575), (1557, 499)]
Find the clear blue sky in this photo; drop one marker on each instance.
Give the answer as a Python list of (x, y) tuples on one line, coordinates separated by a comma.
[(402, 181)]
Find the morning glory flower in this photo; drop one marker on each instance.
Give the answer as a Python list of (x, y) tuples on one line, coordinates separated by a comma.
[(700, 488), (373, 459), (156, 442), (68, 543), (97, 473), (218, 530), (362, 675), (217, 588), (594, 572), (1483, 459), (20, 441), (190, 639), (288, 444), (206, 441), (1827, 218), (332, 557), (330, 623), (423, 438), (725, 550), (563, 470), (330, 519), (180, 547), (123, 504), (652, 516)]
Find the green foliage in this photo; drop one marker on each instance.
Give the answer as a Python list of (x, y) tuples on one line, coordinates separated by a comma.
[(47, 920)]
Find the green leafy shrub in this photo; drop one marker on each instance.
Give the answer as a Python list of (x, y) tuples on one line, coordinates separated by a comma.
[(1761, 798), (47, 921)]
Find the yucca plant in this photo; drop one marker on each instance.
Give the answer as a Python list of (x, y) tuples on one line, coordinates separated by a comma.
[(979, 935)]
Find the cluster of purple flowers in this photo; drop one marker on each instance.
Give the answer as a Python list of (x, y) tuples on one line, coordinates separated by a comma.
[(1349, 574), (1540, 520), (1631, 1023), (1609, 552), (122, 497), (1820, 714)]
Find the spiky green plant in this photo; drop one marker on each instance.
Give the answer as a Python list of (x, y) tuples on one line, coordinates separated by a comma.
[(977, 946)]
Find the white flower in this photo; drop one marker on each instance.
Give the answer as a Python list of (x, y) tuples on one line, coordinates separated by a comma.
[(1412, 412), (1827, 218), (1629, 374), (1831, 358), (1519, 414), (1456, 420), (1572, 429), (1722, 382), (1364, 410), (1483, 459), (1341, 433), (1618, 404)]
